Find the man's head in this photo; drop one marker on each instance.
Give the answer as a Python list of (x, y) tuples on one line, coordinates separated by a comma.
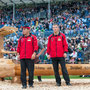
[(26, 30), (56, 28)]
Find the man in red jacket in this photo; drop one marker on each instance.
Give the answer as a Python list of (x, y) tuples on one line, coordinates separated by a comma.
[(26, 49), (57, 48)]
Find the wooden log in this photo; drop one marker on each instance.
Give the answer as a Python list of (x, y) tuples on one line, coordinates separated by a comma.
[(1, 46), (7, 68), (7, 30), (3, 32), (47, 69), (8, 52)]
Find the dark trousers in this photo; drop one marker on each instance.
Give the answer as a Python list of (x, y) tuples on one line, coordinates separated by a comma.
[(27, 64), (39, 78), (56, 62)]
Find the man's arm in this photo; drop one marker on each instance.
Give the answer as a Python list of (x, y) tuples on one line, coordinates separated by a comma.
[(42, 49), (18, 47), (48, 46), (65, 45), (48, 49), (18, 50), (35, 44), (35, 47)]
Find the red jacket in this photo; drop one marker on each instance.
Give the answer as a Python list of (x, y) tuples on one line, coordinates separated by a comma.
[(27, 46), (57, 45)]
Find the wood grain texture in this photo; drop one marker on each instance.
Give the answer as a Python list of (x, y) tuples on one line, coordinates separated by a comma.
[(1, 46), (47, 69), (7, 68)]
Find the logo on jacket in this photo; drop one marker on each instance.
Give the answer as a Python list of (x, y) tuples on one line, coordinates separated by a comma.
[(29, 39), (59, 39)]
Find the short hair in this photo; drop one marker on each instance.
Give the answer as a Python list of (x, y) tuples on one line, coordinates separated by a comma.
[(57, 25)]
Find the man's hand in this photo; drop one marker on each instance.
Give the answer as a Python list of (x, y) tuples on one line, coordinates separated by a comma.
[(18, 57), (37, 56), (65, 55), (48, 56), (33, 56)]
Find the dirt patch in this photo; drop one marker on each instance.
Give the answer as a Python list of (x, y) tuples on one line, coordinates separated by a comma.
[(48, 84)]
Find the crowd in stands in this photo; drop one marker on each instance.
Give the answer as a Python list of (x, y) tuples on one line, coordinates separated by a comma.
[(73, 19)]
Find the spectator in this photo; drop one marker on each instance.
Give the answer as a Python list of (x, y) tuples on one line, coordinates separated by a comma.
[(80, 56)]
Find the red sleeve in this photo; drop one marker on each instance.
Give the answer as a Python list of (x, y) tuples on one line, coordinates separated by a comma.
[(65, 44), (48, 46), (18, 47), (35, 44)]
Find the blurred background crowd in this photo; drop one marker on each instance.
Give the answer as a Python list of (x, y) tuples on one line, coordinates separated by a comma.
[(73, 19)]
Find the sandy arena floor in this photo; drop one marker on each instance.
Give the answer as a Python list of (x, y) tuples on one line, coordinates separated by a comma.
[(48, 84)]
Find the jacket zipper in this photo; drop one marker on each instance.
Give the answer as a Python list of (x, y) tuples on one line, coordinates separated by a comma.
[(25, 47), (56, 45)]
